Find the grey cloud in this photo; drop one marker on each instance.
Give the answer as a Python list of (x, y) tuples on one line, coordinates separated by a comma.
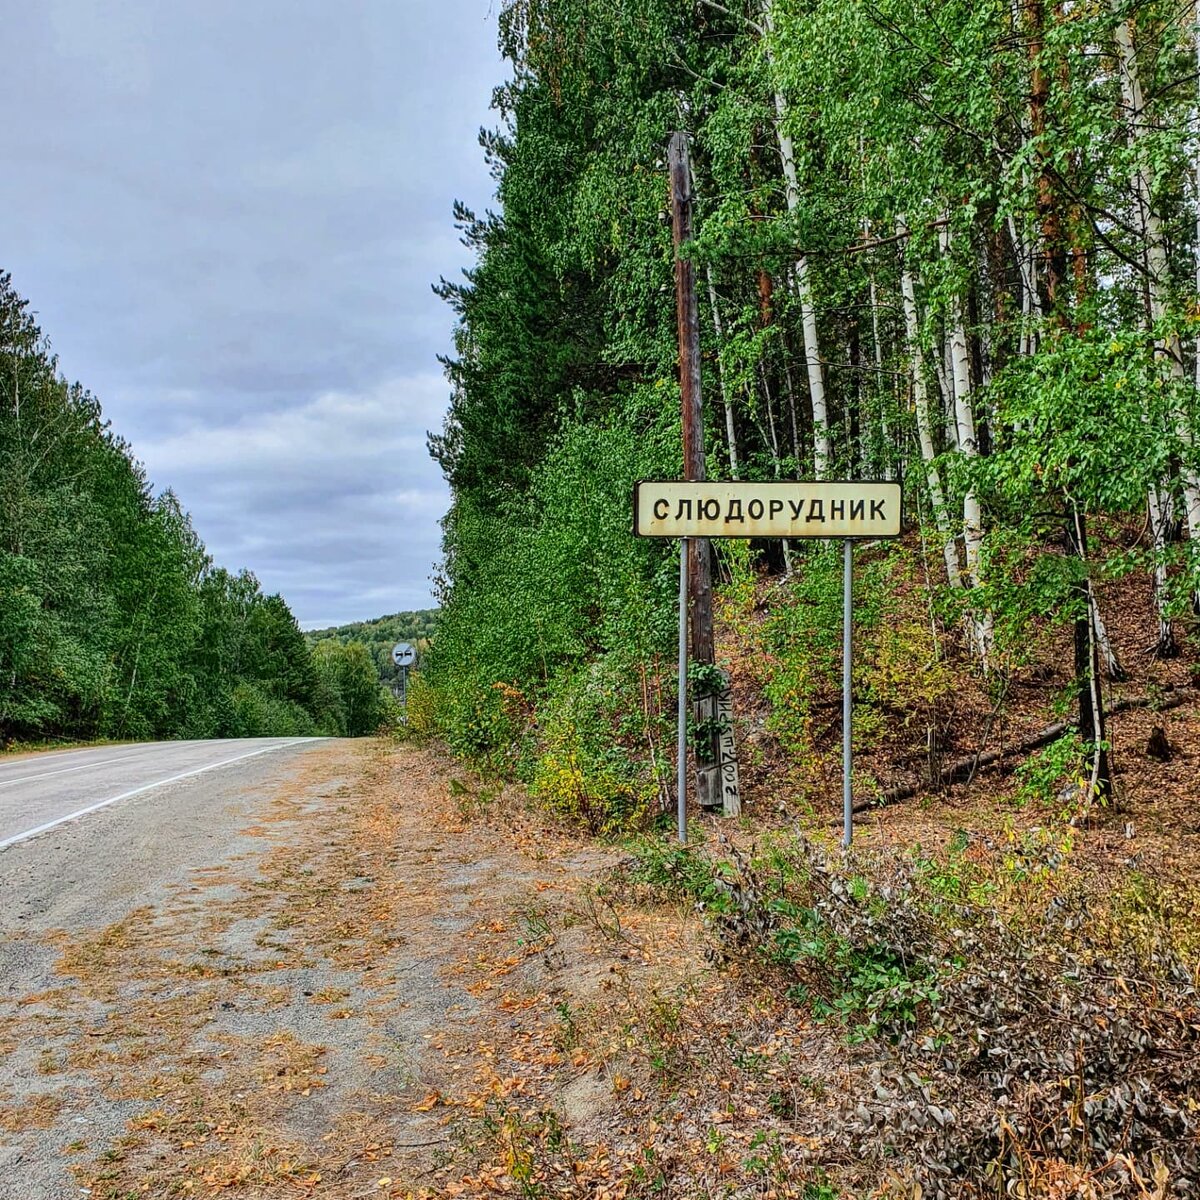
[(228, 217), (345, 502)]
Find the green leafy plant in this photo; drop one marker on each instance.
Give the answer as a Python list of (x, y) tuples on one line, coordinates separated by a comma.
[(1053, 776)]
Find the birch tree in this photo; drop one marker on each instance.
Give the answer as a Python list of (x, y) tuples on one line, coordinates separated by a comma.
[(822, 441), (1166, 340), (968, 447), (920, 395)]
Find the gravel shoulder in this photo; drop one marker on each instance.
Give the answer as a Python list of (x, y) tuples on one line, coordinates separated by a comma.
[(297, 991)]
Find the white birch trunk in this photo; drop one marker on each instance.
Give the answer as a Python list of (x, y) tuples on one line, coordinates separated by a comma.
[(1168, 350), (1024, 243), (822, 444), (1112, 664), (912, 330), (946, 384), (964, 420), (885, 432)]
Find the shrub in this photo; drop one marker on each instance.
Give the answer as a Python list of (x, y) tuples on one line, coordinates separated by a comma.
[(581, 767), (423, 707), (481, 722), (256, 713), (1003, 1049)]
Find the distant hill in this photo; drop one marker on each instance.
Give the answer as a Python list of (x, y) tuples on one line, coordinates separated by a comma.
[(381, 634)]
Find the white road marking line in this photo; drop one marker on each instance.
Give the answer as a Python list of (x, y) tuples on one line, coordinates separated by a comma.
[(20, 837), (101, 762), (40, 756)]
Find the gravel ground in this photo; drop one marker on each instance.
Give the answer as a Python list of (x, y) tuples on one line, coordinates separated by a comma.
[(263, 985), (84, 876)]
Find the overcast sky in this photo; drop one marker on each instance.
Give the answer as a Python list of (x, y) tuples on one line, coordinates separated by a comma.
[(228, 214)]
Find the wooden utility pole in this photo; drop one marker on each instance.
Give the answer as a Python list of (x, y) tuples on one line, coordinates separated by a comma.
[(699, 568), (699, 560)]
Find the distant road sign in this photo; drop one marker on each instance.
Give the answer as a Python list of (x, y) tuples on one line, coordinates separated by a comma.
[(766, 510), (403, 655)]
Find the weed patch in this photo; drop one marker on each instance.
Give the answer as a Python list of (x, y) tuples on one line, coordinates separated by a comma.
[(990, 1050)]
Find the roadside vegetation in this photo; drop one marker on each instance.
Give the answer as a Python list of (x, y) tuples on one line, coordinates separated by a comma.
[(114, 621), (965, 259), (380, 635), (957, 247)]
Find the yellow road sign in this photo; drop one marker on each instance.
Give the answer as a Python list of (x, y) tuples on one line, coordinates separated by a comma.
[(675, 509)]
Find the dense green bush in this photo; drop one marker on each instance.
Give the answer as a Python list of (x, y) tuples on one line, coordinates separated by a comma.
[(556, 574), (256, 713), (355, 702), (593, 761), (557, 581)]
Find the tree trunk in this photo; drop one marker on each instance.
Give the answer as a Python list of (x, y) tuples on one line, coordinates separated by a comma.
[(946, 385), (1108, 656), (879, 440), (1167, 349), (924, 426), (852, 400), (964, 421), (885, 434), (1196, 252), (1087, 664), (791, 394), (730, 430), (775, 456), (822, 445), (731, 445)]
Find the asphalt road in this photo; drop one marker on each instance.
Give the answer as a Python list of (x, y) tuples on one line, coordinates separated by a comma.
[(39, 793), (87, 838)]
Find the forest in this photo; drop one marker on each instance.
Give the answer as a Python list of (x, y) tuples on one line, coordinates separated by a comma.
[(114, 621), (952, 244), (381, 634)]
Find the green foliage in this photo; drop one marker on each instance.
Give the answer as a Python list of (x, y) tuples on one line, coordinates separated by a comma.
[(1082, 419), (348, 680), (803, 636), (1055, 777), (583, 769), (554, 582), (948, 231), (797, 651), (255, 712), (423, 709), (680, 872), (481, 723), (380, 635), (113, 620)]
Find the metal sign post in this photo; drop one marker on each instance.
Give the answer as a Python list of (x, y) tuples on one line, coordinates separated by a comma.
[(403, 655), (847, 680), (681, 764), (843, 510)]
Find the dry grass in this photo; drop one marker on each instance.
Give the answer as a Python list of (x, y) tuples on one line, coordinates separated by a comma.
[(37, 1112), (352, 892), (488, 1023)]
